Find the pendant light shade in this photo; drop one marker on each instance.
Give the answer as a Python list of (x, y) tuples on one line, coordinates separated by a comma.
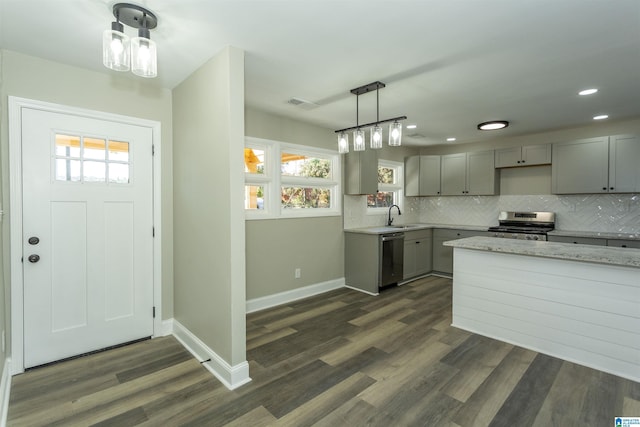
[(144, 58), (358, 140), (395, 134), (376, 137), (115, 48), (343, 143)]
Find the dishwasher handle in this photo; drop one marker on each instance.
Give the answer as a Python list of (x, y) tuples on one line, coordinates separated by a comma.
[(394, 236)]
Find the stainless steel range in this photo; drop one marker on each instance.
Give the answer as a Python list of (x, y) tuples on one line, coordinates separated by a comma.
[(524, 225)]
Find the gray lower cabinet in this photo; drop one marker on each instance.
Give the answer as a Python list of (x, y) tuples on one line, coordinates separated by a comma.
[(443, 255), (361, 260), (577, 240), (417, 253), (620, 243)]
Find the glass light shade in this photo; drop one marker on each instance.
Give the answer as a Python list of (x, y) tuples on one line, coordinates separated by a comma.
[(358, 140), (395, 134), (115, 48), (144, 59), (343, 143), (376, 137)]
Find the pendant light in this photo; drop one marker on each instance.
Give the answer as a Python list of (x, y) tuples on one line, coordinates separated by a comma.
[(376, 136), (138, 54)]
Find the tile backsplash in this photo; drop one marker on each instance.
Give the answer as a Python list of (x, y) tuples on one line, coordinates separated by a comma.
[(616, 213)]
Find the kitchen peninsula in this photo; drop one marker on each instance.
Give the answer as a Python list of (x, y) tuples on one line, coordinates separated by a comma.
[(577, 302)]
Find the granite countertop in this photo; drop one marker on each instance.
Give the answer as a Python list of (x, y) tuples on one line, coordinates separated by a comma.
[(626, 257), (596, 234), (397, 228)]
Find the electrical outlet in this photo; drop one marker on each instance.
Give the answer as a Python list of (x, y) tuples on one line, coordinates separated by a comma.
[(297, 273)]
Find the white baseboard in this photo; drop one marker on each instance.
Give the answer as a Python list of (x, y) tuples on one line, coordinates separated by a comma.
[(5, 388), (231, 376), (269, 301)]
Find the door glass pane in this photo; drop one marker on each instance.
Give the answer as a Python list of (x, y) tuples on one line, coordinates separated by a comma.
[(67, 145), (253, 197), (254, 160), (305, 197), (118, 173), (94, 171), (67, 170), (301, 165), (95, 148), (119, 151)]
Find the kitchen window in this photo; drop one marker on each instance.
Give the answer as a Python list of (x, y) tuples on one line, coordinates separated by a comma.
[(390, 184), (287, 180)]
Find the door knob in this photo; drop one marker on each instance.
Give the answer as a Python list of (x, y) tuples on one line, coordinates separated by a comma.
[(34, 258), (33, 240)]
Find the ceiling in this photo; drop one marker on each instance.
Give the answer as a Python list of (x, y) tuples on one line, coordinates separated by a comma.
[(448, 64)]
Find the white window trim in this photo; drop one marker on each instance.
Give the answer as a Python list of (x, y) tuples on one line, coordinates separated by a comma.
[(272, 180), (398, 187)]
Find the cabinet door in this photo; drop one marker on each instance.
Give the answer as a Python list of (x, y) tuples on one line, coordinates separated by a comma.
[(429, 175), (624, 164), (361, 172), (536, 155), (580, 166), (412, 176), (423, 256), (453, 174), (508, 157), (578, 240), (481, 173), (624, 243), (409, 259)]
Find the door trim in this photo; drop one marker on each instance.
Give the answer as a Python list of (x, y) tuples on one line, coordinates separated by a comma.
[(16, 105)]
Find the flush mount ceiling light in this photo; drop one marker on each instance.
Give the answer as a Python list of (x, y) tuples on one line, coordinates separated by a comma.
[(601, 117), (139, 54), (493, 125), (587, 92), (395, 128)]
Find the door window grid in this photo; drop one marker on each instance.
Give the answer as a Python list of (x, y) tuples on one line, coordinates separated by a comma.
[(91, 160)]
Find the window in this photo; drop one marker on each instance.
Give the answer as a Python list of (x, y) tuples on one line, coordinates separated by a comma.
[(389, 187), (285, 180), (91, 160)]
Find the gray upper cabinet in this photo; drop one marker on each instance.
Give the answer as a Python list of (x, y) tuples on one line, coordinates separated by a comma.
[(468, 174), (596, 165), (361, 172), (422, 176), (528, 155)]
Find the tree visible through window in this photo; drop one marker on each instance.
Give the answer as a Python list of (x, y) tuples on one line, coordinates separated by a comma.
[(389, 185)]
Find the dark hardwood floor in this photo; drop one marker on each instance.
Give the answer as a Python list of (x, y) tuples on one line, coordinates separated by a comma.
[(339, 359)]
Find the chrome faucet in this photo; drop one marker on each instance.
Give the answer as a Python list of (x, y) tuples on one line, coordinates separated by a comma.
[(390, 221)]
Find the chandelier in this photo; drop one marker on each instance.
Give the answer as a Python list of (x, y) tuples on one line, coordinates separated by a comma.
[(375, 140)]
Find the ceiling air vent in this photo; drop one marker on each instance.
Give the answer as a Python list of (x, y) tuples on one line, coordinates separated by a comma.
[(416, 135), (302, 103)]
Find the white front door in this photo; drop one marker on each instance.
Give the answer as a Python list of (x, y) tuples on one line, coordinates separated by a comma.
[(87, 234)]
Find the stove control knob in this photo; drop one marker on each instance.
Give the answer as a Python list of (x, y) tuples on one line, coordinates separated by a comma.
[(528, 237), (535, 237)]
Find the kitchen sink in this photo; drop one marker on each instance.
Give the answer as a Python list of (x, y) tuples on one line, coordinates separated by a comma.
[(404, 227)]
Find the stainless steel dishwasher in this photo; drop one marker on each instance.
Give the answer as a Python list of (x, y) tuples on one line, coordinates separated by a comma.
[(391, 259)]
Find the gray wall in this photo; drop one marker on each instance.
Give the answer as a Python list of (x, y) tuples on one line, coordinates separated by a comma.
[(38, 79), (276, 247), (208, 122)]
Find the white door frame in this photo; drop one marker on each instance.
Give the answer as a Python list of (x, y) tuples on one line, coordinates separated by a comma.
[(16, 105)]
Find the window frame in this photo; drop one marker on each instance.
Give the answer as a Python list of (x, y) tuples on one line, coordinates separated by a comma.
[(273, 180), (397, 187)]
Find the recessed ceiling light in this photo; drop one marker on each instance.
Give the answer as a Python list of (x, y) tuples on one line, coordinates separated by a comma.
[(588, 92), (601, 117), (412, 126), (493, 125), (451, 139)]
